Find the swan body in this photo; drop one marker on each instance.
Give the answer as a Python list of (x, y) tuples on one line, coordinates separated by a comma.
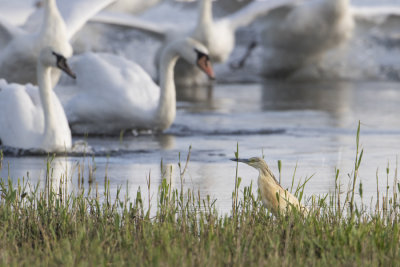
[(20, 47), (32, 117), (304, 34), (122, 96)]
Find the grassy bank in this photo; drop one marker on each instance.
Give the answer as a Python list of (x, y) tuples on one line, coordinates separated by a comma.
[(52, 226)]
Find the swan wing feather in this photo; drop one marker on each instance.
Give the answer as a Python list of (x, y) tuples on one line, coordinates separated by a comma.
[(127, 20), (169, 18), (252, 11), (77, 12)]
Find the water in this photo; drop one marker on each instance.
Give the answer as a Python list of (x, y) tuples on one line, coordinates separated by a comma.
[(311, 125)]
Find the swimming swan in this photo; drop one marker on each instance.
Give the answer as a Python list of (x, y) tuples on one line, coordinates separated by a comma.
[(122, 96), (303, 34), (32, 117), (20, 48)]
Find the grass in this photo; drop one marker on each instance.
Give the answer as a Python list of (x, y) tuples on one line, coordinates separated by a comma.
[(53, 226)]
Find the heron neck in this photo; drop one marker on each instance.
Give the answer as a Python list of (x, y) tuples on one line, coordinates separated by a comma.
[(267, 173)]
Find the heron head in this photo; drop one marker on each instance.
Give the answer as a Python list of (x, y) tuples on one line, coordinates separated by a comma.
[(254, 162)]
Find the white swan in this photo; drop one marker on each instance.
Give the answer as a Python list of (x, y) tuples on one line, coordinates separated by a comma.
[(121, 96), (218, 35), (301, 35), (20, 49), (33, 118)]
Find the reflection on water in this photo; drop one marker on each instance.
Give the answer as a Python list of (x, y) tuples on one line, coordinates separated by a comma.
[(317, 127), (195, 94), (323, 96)]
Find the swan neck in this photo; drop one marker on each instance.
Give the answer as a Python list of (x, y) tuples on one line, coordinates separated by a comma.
[(166, 111), (51, 19), (45, 90), (205, 12)]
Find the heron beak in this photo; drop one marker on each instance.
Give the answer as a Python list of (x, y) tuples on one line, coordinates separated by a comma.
[(63, 65), (241, 160), (205, 65)]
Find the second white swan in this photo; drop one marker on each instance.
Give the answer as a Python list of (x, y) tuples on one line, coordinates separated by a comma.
[(121, 96), (32, 117)]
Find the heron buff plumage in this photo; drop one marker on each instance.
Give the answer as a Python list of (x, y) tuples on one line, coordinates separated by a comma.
[(274, 197)]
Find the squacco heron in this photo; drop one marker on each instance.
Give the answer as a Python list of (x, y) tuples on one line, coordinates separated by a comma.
[(274, 197)]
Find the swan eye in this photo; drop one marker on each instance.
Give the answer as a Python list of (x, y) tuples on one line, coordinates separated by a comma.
[(59, 57), (201, 55), (63, 65)]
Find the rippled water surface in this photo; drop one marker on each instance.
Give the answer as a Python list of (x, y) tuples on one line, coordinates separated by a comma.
[(311, 125)]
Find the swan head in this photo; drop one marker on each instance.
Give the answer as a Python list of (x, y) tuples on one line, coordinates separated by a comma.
[(48, 57), (197, 54)]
